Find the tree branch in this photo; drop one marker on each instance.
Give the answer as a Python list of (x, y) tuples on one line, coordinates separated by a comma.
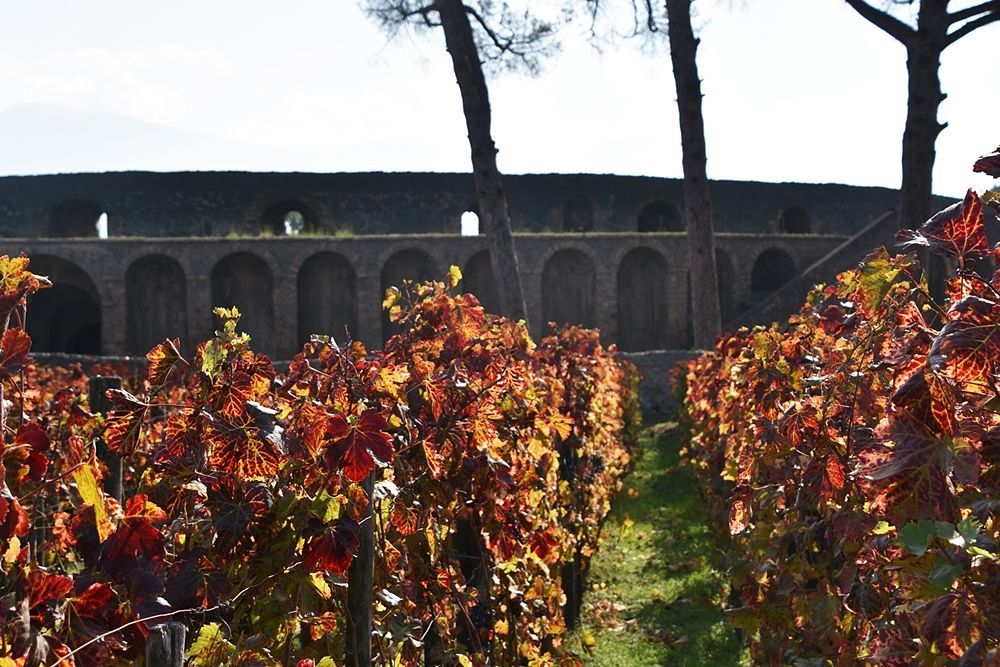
[(970, 12), (504, 46), (985, 19), (884, 21)]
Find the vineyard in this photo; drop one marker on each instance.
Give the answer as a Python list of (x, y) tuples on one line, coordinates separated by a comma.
[(434, 502), (850, 460), (440, 501)]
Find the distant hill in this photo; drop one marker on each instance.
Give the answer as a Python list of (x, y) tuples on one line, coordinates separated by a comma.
[(36, 139)]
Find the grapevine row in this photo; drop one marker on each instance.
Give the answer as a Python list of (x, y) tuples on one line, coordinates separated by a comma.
[(480, 464)]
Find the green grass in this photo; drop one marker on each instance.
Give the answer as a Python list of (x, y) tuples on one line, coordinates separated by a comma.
[(653, 597)]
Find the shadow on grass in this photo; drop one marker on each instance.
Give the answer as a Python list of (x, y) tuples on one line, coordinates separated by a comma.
[(653, 597)]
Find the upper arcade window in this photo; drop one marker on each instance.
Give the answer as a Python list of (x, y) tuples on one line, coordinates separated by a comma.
[(795, 220), (288, 218), (660, 216), (470, 223), (78, 219)]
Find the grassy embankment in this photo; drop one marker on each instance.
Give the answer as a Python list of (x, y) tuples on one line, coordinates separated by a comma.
[(653, 597)]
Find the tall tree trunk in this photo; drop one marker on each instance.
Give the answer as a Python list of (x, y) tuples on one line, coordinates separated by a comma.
[(923, 62), (494, 213), (697, 198), (923, 98)]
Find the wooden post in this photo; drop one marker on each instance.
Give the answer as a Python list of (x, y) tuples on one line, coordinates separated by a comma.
[(99, 384), (360, 587), (165, 645)]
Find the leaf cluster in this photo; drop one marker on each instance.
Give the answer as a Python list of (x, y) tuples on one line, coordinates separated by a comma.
[(506, 38), (247, 491), (849, 459)]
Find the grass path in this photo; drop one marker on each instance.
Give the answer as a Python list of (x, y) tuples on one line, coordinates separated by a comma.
[(653, 597)]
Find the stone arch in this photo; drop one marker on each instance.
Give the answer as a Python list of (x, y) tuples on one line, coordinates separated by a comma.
[(327, 295), (67, 316), (642, 301), (155, 303), (478, 279), (289, 217), (660, 216), (795, 220), (773, 268), (726, 278), (578, 214), (76, 218), (245, 280), (409, 264), (569, 286)]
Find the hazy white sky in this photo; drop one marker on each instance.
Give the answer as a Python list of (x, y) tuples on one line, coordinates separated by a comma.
[(796, 90)]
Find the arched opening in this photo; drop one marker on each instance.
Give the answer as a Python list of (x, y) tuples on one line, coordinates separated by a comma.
[(578, 214), (76, 219), (661, 217), (67, 316), (772, 269), (410, 264), (244, 280), (328, 301), (726, 276), (478, 279), (795, 220), (288, 218), (155, 303), (102, 226), (642, 301), (569, 285), (470, 223)]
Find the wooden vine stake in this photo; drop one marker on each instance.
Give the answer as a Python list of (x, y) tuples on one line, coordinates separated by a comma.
[(360, 586), (99, 385), (165, 645)]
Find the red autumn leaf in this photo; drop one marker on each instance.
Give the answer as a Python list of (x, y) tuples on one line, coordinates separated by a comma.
[(140, 507), (957, 230), (354, 448), (134, 538), (332, 550), (544, 543), (43, 587), (14, 357), (236, 390), (124, 422), (835, 472), (989, 164), (248, 446), (87, 614), (404, 518), (14, 521), (913, 483), (968, 347), (36, 440), (162, 360), (321, 625)]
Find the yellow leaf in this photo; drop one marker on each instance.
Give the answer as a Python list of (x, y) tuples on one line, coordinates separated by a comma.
[(464, 659), (11, 554), (589, 643), (454, 275), (320, 584), (86, 485)]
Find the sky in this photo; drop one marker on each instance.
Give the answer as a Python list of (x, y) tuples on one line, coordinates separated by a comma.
[(795, 90)]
